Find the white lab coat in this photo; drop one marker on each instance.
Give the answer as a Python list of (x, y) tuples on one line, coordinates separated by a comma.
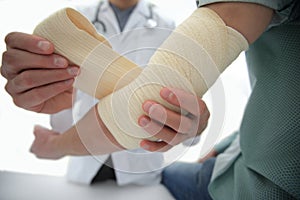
[(136, 166)]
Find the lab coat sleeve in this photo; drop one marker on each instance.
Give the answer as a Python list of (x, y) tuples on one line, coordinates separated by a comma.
[(61, 121)]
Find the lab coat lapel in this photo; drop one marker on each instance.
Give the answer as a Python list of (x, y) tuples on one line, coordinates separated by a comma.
[(109, 19)]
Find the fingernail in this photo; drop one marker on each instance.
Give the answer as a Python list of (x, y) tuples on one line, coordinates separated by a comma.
[(147, 105), (73, 71), (144, 121), (166, 93), (60, 62), (44, 45)]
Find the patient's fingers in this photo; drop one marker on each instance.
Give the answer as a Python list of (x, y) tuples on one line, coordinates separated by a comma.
[(174, 120), (187, 101), (161, 132), (171, 127), (155, 146)]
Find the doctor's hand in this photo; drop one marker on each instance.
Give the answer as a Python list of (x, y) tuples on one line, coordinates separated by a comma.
[(172, 128), (37, 79), (45, 145)]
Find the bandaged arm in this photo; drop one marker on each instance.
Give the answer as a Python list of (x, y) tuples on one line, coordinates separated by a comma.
[(192, 58), (256, 17)]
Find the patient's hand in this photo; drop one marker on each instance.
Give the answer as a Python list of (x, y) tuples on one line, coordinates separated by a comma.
[(171, 127), (44, 145), (213, 153)]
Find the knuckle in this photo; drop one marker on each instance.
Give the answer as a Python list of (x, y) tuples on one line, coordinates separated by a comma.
[(4, 55), (38, 96), (185, 125), (207, 115), (3, 71), (24, 80), (9, 38), (32, 149), (9, 89), (182, 101), (199, 109), (18, 102), (204, 117), (8, 63), (202, 106), (176, 140), (202, 127), (7, 58)]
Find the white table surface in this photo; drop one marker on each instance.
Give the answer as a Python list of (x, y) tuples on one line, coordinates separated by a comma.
[(20, 186)]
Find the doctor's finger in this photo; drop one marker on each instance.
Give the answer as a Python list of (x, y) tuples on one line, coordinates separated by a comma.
[(185, 100), (37, 96), (28, 42), (30, 79), (14, 61)]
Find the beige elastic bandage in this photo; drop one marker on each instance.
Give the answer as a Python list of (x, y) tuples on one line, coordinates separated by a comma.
[(191, 58)]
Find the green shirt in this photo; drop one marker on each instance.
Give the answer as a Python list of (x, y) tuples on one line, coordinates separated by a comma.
[(225, 143), (268, 165)]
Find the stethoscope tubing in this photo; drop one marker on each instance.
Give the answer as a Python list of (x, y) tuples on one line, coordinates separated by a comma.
[(151, 23)]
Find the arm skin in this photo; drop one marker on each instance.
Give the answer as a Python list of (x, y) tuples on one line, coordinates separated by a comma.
[(90, 136), (250, 20), (52, 145)]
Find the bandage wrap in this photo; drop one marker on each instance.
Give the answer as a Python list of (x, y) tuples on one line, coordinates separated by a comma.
[(75, 38), (191, 58)]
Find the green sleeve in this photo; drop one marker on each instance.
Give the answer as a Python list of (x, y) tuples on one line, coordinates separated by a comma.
[(274, 4), (283, 8)]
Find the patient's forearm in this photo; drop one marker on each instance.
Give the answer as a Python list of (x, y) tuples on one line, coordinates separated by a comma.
[(88, 136)]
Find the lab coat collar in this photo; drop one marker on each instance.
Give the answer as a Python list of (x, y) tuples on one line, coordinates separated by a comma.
[(136, 19), (138, 16), (141, 7), (105, 6)]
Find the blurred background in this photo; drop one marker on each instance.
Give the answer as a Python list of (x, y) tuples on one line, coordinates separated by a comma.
[(16, 124)]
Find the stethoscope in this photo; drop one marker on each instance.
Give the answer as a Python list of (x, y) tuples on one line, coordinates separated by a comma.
[(100, 25)]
